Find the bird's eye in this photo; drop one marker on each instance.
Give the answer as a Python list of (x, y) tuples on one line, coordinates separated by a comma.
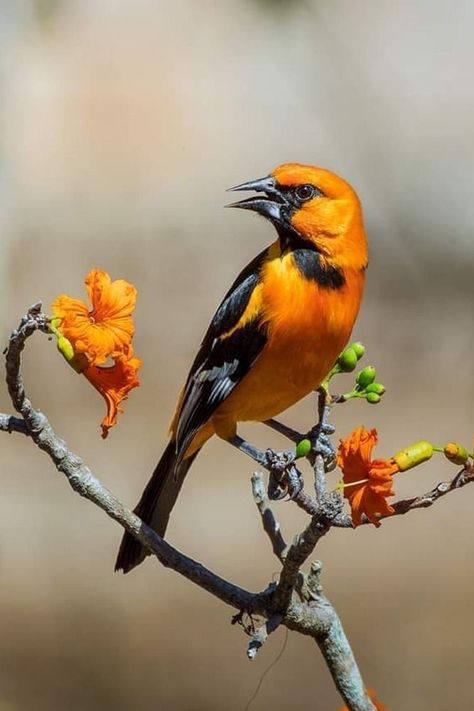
[(305, 192)]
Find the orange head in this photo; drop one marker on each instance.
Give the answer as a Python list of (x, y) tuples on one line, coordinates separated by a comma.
[(314, 207)]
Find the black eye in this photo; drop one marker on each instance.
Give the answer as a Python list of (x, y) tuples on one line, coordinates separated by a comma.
[(305, 192)]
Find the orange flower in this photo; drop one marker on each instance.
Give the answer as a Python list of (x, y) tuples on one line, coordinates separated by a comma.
[(373, 697), (114, 383), (367, 484), (106, 328), (87, 339)]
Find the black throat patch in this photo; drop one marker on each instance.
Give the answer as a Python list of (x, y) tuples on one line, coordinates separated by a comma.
[(308, 261)]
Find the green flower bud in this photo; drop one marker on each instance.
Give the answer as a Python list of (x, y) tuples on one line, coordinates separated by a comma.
[(78, 361), (65, 348), (366, 376), (375, 388), (303, 448), (413, 455), (358, 348), (456, 453), (373, 398), (347, 361)]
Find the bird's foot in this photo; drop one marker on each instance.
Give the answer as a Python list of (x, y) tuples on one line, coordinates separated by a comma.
[(320, 437), (285, 479)]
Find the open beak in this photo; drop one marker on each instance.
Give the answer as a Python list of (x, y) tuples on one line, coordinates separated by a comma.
[(269, 206)]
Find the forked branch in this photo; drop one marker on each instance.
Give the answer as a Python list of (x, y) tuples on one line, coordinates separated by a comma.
[(297, 601)]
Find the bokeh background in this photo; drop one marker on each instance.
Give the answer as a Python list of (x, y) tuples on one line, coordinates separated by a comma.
[(122, 122)]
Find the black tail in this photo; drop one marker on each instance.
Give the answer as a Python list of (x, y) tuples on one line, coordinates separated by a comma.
[(155, 505)]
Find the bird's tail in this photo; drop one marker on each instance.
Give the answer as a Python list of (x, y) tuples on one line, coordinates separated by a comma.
[(155, 505)]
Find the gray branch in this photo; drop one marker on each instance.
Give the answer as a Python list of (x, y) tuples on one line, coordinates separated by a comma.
[(296, 602), (10, 423), (423, 501), (260, 635), (326, 510), (270, 524), (83, 481), (317, 618)]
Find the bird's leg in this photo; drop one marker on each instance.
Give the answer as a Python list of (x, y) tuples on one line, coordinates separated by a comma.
[(320, 435), (283, 429), (285, 478), (258, 455)]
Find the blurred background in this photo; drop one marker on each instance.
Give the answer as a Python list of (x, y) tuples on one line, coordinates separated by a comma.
[(121, 124)]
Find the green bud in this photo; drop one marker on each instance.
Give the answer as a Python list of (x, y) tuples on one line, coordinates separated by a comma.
[(64, 346), (413, 455), (78, 361), (373, 398), (347, 361), (375, 388), (456, 453), (54, 324), (303, 448), (366, 376), (358, 348)]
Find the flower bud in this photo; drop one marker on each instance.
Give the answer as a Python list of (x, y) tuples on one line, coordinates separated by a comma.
[(65, 348), (358, 348), (413, 455), (347, 361), (373, 398), (375, 388), (78, 361), (366, 376), (456, 453), (303, 448)]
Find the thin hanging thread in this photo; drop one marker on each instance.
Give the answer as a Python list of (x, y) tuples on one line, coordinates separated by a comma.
[(269, 668)]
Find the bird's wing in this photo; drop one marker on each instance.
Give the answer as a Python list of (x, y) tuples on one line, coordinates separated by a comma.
[(234, 339)]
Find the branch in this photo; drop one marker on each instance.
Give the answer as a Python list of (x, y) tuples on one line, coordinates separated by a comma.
[(329, 509), (260, 635), (314, 617), (270, 524), (10, 423), (87, 485), (322, 618), (423, 501)]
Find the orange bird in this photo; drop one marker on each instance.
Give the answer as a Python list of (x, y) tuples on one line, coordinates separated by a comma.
[(276, 334)]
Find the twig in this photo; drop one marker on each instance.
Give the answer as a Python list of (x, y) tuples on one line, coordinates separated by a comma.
[(87, 485), (463, 477), (315, 616), (423, 501), (270, 524), (260, 635), (10, 423), (319, 477), (330, 508), (332, 641)]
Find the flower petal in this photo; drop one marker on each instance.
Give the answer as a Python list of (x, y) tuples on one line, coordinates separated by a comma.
[(367, 483), (354, 454), (114, 383), (107, 328)]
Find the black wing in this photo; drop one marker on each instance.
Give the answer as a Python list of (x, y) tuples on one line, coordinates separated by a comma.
[(222, 361)]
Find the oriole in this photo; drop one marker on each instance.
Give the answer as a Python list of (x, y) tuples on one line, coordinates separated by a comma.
[(276, 334)]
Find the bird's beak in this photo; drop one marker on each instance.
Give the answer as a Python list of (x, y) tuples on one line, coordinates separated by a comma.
[(269, 206)]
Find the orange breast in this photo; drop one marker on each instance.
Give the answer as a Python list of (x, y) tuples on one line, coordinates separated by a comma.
[(308, 327)]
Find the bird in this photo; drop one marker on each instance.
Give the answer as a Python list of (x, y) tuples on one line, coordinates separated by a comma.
[(276, 334)]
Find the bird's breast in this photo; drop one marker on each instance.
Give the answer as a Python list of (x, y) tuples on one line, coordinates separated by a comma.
[(308, 326), (305, 314)]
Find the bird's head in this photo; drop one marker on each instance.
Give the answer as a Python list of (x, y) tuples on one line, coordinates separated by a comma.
[(314, 206)]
